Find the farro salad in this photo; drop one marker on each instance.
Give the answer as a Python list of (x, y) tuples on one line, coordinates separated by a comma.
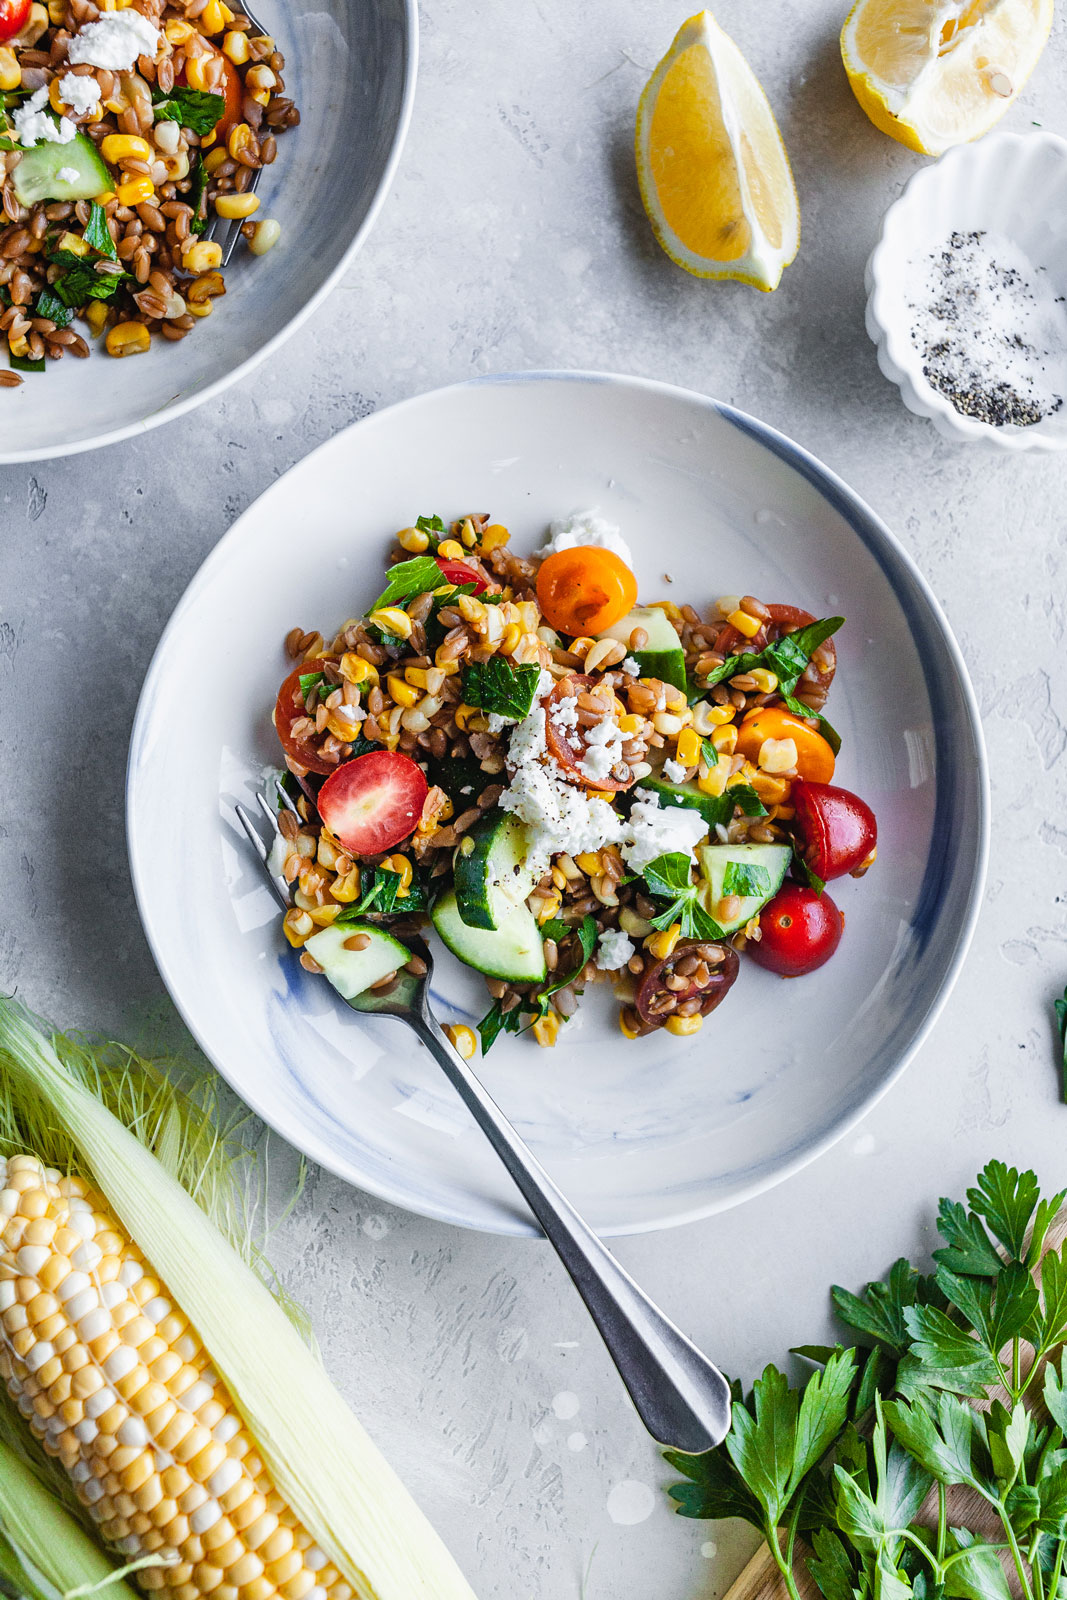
[(570, 786), (124, 128)]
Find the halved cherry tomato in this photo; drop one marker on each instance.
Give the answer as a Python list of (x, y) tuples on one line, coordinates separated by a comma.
[(459, 573), (584, 590), (289, 708), (799, 931), (232, 89), (815, 759), (373, 802), (835, 829), (783, 619), (13, 14), (724, 967), (566, 747)]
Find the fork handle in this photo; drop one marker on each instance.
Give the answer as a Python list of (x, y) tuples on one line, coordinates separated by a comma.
[(681, 1397)]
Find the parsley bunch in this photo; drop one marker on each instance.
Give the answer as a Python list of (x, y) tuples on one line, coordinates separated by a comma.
[(847, 1460)]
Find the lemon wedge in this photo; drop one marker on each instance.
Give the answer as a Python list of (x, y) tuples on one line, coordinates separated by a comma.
[(713, 170), (934, 73)]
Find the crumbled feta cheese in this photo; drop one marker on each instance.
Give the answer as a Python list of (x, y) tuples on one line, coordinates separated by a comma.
[(33, 125), (498, 723), (604, 742), (628, 664), (115, 41), (586, 527), (564, 714), (82, 95), (68, 174), (656, 832), (673, 770), (614, 949)]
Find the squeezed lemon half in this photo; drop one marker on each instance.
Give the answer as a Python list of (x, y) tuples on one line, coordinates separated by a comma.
[(714, 175), (935, 73)]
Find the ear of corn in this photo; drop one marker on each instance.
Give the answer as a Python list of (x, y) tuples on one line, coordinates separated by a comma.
[(42, 1537), (311, 1463)]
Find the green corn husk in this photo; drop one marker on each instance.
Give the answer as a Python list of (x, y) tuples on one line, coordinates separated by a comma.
[(44, 1552), (65, 1106)]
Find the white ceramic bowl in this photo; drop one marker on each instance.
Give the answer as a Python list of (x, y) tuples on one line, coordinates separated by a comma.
[(640, 1134), (1007, 183), (350, 67)]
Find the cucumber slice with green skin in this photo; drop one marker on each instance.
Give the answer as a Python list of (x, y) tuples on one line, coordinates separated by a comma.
[(713, 808), (514, 950), (353, 971), (489, 871), (662, 657), (768, 863), (37, 175)]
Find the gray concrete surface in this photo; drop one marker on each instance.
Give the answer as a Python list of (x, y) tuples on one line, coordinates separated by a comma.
[(515, 238)]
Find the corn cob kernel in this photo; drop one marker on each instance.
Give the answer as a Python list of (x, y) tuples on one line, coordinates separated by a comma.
[(146, 1430)]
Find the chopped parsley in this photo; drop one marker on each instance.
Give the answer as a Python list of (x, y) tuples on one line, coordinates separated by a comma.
[(381, 896), (495, 685), (197, 196), (709, 753), (97, 234), (192, 108), (47, 305), (533, 1007), (747, 881), (407, 579), (668, 878)]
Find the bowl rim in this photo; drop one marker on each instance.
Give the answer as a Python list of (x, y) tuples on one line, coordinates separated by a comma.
[(867, 526), (196, 397), (892, 340)]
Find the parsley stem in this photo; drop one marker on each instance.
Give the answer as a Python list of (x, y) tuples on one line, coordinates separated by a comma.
[(1016, 1370), (1057, 1570), (784, 1562), (1016, 1553), (942, 1524)]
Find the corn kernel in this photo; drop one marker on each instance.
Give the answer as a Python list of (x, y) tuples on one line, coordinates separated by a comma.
[(120, 146), (778, 755), (662, 943), (96, 316), (136, 191), (297, 926), (177, 31), (392, 620), (494, 536), (128, 339), (403, 694), (346, 887), (588, 862), (354, 669), (766, 682), (666, 722), (265, 236), (628, 1024), (550, 904), (402, 867), (235, 47), (546, 1030), (745, 624), (240, 141), (770, 790), (462, 1039), (682, 1026), (724, 739), (413, 540), (234, 206), (204, 255), (688, 748), (451, 549), (214, 159), (10, 71), (74, 243), (214, 17), (510, 638)]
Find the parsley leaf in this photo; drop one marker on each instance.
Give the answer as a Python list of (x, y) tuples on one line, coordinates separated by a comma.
[(195, 109), (1006, 1199), (709, 753), (556, 929), (495, 685), (745, 797), (49, 306), (407, 579), (316, 680), (97, 234), (197, 196), (497, 1021), (746, 881), (24, 364), (668, 877), (811, 878), (881, 1314), (380, 896)]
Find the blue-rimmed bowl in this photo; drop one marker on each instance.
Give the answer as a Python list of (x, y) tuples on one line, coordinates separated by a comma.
[(640, 1134), (350, 67)]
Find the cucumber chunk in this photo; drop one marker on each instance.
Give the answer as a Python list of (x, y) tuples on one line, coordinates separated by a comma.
[(352, 971), (712, 807), (764, 866), (490, 872), (662, 657), (514, 950), (37, 175)]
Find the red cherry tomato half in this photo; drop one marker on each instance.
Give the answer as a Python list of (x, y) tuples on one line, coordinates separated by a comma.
[(800, 930), (289, 708), (835, 829), (373, 802), (459, 573), (565, 746), (13, 14)]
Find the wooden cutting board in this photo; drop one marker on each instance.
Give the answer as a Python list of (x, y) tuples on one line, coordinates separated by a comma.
[(760, 1578)]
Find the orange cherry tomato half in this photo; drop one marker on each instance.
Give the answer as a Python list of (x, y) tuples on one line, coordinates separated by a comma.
[(584, 590), (289, 709), (815, 759)]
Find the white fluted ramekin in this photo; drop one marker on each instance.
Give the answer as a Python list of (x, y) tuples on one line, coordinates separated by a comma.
[(1007, 183)]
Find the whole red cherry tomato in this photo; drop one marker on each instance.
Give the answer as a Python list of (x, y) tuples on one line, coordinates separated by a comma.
[(13, 14), (460, 574), (799, 931), (835, 829)]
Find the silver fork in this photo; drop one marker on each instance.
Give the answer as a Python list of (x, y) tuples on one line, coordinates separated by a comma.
[(681, 1397)]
